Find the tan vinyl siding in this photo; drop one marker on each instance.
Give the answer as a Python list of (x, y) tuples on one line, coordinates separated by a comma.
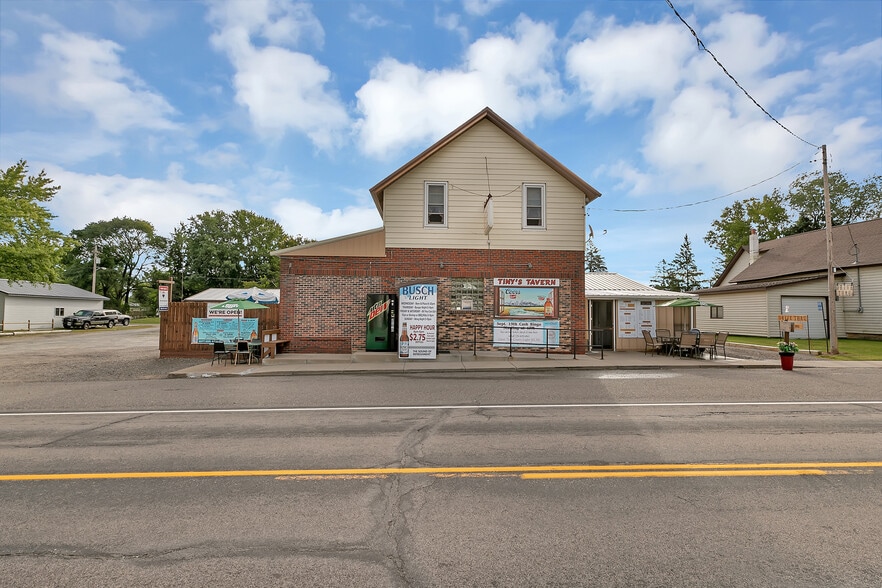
[(868, 322), (463, 166), (366, 244), (739, 266), (744, 313)]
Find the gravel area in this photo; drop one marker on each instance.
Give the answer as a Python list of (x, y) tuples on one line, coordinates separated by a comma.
[(118, 354)]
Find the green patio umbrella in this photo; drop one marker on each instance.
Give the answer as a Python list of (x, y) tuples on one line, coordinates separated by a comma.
[(238, 305)]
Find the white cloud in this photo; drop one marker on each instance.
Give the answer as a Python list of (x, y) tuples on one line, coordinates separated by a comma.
[(223, 156), (80, 74), (86, 198), (403, 104), (361, 14), (281, 89), (298, 217), (620, 66), (481, 7), (58, 146)]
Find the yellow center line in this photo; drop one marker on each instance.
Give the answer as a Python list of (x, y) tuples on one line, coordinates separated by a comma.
[(526, 471), (673, 474)]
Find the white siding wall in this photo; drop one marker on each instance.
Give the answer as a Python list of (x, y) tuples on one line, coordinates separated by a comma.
[(868, 322), (18, 310), (739, 266), (744, 313), (462, 165)]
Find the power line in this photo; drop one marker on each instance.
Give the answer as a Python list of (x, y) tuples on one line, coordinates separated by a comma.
[(701, 45), (754, 185)]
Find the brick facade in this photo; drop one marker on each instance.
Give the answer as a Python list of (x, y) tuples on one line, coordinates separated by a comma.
[(322, 307)]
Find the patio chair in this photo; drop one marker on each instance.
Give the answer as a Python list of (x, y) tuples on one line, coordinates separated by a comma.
[(707, 343), (687, 343), (243, 350), (651, 344), (721, 342), (220, 353)]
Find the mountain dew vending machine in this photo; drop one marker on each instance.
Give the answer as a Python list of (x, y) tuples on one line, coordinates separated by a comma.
[(381, 318)]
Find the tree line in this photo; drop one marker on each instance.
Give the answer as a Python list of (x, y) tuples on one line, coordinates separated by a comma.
[(126, 257)]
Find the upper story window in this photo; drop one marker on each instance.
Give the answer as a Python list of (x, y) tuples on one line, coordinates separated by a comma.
[(534, 206), (436, 204)]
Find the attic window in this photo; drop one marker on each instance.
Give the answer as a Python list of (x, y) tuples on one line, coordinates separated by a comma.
[(436, 204), (534, 206)]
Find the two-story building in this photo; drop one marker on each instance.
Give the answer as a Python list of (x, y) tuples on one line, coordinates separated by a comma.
[(490, 221)]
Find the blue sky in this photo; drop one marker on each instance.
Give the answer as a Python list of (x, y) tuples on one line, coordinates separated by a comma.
[(163, 110)]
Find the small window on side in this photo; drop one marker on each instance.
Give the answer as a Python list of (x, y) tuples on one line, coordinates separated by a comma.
[(534, 206), (716, 312), (436, 204)]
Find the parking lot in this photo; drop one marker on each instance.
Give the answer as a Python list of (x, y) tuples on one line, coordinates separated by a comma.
[(120, 353)]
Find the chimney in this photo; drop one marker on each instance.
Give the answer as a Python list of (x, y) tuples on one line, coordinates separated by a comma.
[(754, 247)]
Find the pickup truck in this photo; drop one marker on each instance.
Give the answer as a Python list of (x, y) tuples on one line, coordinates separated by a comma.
[(86, 319), (118, 317)]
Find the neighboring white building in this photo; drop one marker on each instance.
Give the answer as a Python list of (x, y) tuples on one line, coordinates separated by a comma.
[(789, 276), (40, 307), (619, 308)]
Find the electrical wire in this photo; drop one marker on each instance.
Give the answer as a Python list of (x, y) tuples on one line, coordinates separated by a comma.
[(701, 45), (754, 185)]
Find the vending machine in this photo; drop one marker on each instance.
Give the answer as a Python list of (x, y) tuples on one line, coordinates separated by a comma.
[(381, 322)]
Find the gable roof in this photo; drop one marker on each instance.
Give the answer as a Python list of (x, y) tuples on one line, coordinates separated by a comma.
[(807, 253), (27, 289), (612, 285), (488, 115)]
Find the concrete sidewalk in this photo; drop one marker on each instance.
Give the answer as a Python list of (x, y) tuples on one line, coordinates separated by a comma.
[(301, 364)]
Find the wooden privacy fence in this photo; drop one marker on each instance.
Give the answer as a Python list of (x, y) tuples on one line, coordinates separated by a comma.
[(176, 324)]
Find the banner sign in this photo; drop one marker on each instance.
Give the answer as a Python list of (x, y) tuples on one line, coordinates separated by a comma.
[(162, 298), (526, 301), (526, 333), (208, 330), (225, 312), (418, 321)]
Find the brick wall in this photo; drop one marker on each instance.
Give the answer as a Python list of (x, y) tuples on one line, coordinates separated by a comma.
[(323, 298)]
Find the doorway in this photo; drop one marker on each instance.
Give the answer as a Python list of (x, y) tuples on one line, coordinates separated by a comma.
[(602, 318)]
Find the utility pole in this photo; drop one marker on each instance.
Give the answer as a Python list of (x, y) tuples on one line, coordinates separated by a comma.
[(831, 279), (94, 264)]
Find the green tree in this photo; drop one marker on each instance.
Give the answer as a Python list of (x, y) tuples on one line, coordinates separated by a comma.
[(126, 248), (594, 261), (664, 278), (731, 231), (30, 249), (227, 250), (684, 268)]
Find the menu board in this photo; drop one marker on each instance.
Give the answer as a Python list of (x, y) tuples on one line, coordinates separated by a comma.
[(418, 321)]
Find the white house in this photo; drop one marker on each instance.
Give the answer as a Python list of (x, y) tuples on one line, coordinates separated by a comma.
[(789, 276), (35, 307)]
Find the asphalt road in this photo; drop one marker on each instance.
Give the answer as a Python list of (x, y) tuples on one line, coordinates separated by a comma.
[(659, 478)]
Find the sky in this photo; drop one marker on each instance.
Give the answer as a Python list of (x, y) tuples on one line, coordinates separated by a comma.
[(162, 110)]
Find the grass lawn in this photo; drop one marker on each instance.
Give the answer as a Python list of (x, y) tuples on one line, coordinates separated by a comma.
[(849, 349)]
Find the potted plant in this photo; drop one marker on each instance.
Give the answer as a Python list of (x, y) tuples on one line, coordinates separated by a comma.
[(786, 351)]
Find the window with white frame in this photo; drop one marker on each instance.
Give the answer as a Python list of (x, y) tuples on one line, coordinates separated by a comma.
[(436, 204), (534, 206)]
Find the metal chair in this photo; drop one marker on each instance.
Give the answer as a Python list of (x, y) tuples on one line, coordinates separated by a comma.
[(651, 344), (220, 353), (242, 350), (721, 342)]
